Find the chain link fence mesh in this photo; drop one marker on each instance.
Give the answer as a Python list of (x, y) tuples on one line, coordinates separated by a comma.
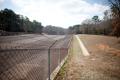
[(21, 63)]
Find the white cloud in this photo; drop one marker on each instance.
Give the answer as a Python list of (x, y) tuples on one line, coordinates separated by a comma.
[(83, 7), (1, 2), (59, 12)]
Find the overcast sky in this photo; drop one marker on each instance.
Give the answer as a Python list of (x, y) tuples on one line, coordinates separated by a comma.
[(63, 13)]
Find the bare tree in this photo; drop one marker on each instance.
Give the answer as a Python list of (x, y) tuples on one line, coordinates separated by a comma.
[(115, 8)]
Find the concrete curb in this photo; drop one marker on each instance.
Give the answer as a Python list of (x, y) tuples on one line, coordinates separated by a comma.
[(83, 48), (55, 72)]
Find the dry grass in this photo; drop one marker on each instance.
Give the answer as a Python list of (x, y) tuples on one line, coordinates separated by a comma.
[(100, 65)]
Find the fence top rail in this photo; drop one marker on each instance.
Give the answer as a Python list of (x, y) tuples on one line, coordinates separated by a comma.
[(4, 50)]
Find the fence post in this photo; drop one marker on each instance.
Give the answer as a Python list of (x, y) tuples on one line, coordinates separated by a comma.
[(49, 58), (59, 56)]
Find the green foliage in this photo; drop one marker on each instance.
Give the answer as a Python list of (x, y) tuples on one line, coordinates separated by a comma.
[(9, 21), (12, 22), (95, 18)]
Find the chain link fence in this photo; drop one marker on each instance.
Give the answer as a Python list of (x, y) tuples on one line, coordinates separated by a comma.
[(32, 63)]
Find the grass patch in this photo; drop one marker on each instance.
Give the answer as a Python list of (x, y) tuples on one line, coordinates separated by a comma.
[(63, 71)]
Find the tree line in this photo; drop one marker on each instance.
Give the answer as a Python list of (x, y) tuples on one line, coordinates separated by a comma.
[(12, 22), (109, 25), (93, 26), (53, 30)]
